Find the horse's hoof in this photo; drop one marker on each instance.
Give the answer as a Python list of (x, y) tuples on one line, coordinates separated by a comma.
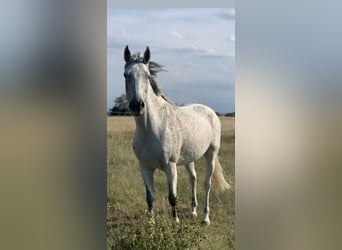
[(205, 223)]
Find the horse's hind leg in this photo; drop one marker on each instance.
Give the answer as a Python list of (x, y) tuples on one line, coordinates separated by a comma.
[(147, 175), (171, 173), (210, 161), (193, 180)]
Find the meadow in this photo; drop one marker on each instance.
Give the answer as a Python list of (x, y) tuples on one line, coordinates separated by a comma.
[(129, 226)]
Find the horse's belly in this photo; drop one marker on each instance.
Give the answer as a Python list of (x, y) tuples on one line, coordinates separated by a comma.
[(188, 156), (193, 151)]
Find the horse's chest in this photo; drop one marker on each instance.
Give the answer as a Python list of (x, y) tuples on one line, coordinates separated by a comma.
[(154, 152), (147, 151)]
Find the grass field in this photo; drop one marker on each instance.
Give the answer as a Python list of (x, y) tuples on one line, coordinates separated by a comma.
[(127, 221)]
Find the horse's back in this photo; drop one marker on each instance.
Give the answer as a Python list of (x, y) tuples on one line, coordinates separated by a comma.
[(203, 115)]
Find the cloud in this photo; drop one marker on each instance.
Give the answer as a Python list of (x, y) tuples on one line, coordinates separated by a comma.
[(191, 51), (177, 34), (191, 43)]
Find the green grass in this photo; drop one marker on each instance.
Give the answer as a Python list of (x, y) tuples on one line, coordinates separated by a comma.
[(128, 224)]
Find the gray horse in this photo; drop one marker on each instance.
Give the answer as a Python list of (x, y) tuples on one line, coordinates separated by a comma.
[(167, 135)]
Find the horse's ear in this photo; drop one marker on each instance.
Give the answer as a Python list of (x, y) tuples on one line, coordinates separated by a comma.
[(127, 54), (147, 55)]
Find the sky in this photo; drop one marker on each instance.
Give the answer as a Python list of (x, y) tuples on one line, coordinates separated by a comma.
[(196, 46)]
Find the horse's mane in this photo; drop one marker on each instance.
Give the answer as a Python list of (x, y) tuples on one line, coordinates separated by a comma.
[(154, 69)]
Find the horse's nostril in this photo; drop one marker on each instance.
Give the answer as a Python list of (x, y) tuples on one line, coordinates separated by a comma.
[(136, 106)]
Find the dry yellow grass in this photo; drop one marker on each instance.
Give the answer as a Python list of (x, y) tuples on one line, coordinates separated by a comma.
[(120, 124), (227, 123)]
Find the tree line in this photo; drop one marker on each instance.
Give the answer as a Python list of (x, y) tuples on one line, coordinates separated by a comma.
[(121, 108)]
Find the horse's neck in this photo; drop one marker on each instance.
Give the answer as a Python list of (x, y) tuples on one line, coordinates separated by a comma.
[(154, 116)]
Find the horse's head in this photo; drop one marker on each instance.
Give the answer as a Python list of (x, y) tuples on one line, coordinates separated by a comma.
[(137, 76)]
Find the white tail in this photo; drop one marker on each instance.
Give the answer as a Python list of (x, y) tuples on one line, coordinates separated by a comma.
[(221, 182)]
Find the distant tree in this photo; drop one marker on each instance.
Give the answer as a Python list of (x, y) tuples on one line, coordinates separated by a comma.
[(120, 106), (232, 114), (121, 102)]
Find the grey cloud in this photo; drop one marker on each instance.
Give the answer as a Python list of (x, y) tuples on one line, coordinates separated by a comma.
[(197, 52), (115, 45)]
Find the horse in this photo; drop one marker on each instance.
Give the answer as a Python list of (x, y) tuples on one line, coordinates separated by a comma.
[(167, 135)]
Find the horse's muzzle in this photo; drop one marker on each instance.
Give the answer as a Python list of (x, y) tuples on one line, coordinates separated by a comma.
[(136, 107)]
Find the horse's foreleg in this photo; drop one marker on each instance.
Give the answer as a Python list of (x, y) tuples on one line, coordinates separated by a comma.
[(193, 181), (147, 175), (210, 162), (171, 173)]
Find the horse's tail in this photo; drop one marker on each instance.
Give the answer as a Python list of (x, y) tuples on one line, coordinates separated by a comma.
[(221, 182)]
